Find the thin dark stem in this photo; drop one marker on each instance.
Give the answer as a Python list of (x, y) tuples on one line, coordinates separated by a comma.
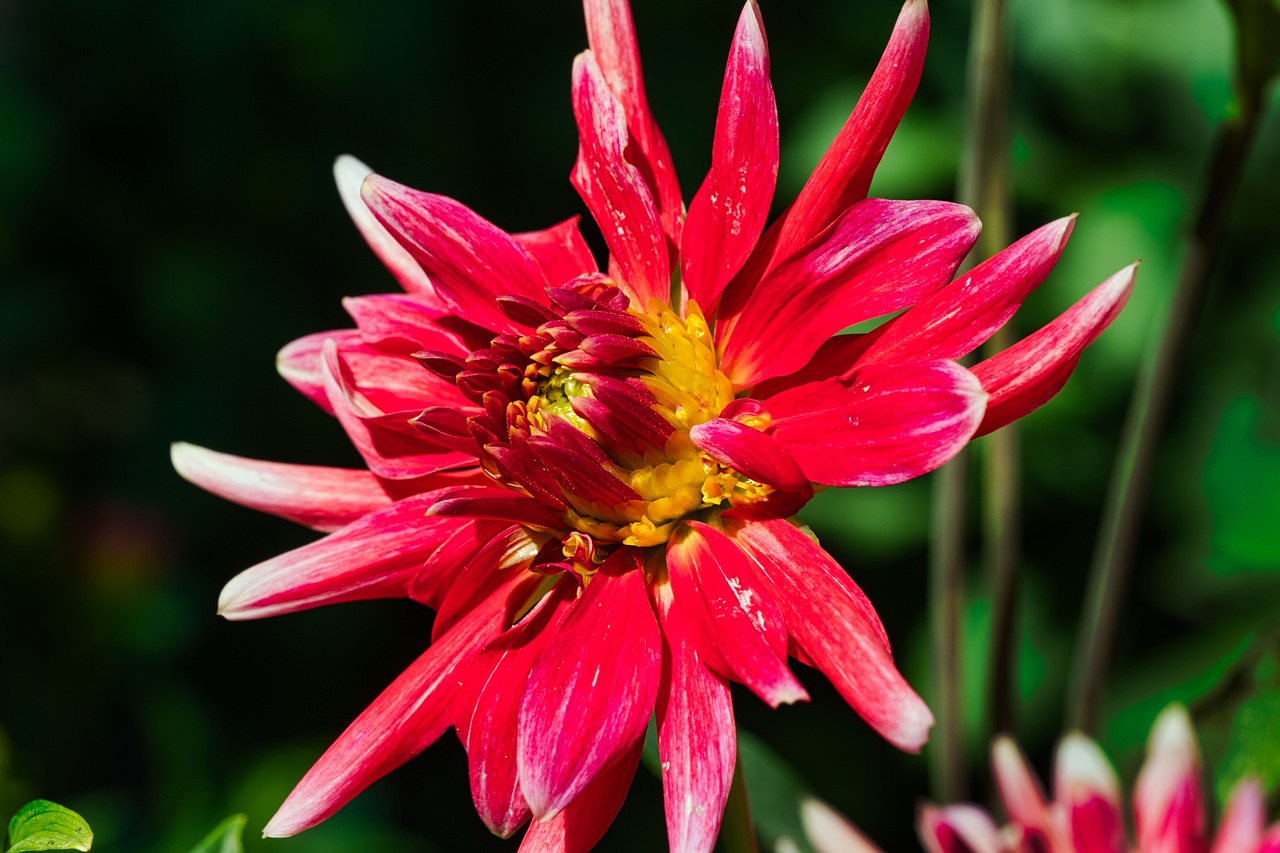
[(946, 581), (737, 832), (985, 187), (1131, 475)]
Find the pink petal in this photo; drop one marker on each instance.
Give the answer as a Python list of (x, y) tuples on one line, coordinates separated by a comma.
[(735, 625), (844, 173), (581, 824), (591, 692), (834, 625), (1241, 827), (502, 546), (501, 504), (470, 260), (402, 324), (404, 720), (321, 498), (1096, 826), (1024, 377), (877, 258), (614, 189), (758, 455), (490, 731), (729, 211), (963, 315), (391, 447), (441, 570), (895, 422), (1168, 809), (350, 174), (1019, 790), (831, 361), (831, 832), (560, 250), (697, 743), (960, 828), (612, 38), (375, 556), (1081, 769), (1271, 841), (300, 363)]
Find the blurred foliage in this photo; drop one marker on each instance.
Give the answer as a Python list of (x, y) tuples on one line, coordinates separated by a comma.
[(225, 837), (167, 222)]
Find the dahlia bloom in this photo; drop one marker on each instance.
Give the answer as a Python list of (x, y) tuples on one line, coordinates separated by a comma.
[(592, 475), (1085, 815)]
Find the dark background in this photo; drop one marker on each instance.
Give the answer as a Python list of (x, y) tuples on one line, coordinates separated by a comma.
[(168, 221)]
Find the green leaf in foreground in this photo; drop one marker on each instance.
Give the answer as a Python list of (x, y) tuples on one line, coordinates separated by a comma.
[(42, 825), (225, 837)]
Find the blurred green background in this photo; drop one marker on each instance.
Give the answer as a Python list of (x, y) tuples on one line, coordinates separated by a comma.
[(168, 221)]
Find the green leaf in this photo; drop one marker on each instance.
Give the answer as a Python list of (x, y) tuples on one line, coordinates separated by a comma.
[(42, 825), (225, 837)]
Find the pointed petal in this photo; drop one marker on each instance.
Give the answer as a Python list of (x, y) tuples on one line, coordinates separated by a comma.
[(960, 828), (895, 422), (502, 547), (729, 211), (1019, 790), (614, 190), (1024, 377), (1241, 827), (760, 456), (490, 733), (350, 174), (877, 258), (697, 743), (612, 39), (1168, 809), (403, 324), (1081, 767), (966, 313), (404, 720), (501, 504), (844, 173), (831, 832), (390, 445), (560, 250), (299, 363), (832, 622), (442, 569), (591, 692), (581, 824), (733, 622), (470, 260), (321, 498), (375, 556)]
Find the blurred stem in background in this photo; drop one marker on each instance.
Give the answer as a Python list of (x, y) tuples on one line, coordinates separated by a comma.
[(1257, 61), (984, 186)]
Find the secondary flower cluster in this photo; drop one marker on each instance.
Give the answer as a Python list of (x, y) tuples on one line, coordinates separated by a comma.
[(592, 475), (1085, 814)]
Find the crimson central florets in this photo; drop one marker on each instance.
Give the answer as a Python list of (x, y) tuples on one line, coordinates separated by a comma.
[(590, 412)]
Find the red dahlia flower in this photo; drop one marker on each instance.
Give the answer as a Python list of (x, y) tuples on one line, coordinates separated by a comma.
[(593, 476)]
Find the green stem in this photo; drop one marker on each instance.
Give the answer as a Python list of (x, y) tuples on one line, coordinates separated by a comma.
[(985, 187), (737, 832), (946, 582), (1131, 474)]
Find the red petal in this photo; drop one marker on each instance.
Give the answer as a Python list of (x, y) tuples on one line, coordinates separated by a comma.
[(729, 211), (501, 504), (404, 720), (844, 173), (490, 732), (758, 455), (830, 619), (581, 824), (612, 38), (735, 624), (877, 258), (1027, 375), (350, 174), (560, 250), (614, 190), (697, 743), (322, 498), (402, 324), (959, 828), (896, 422), (963, 315), (470, 260), (374, 557), (592, 691)]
